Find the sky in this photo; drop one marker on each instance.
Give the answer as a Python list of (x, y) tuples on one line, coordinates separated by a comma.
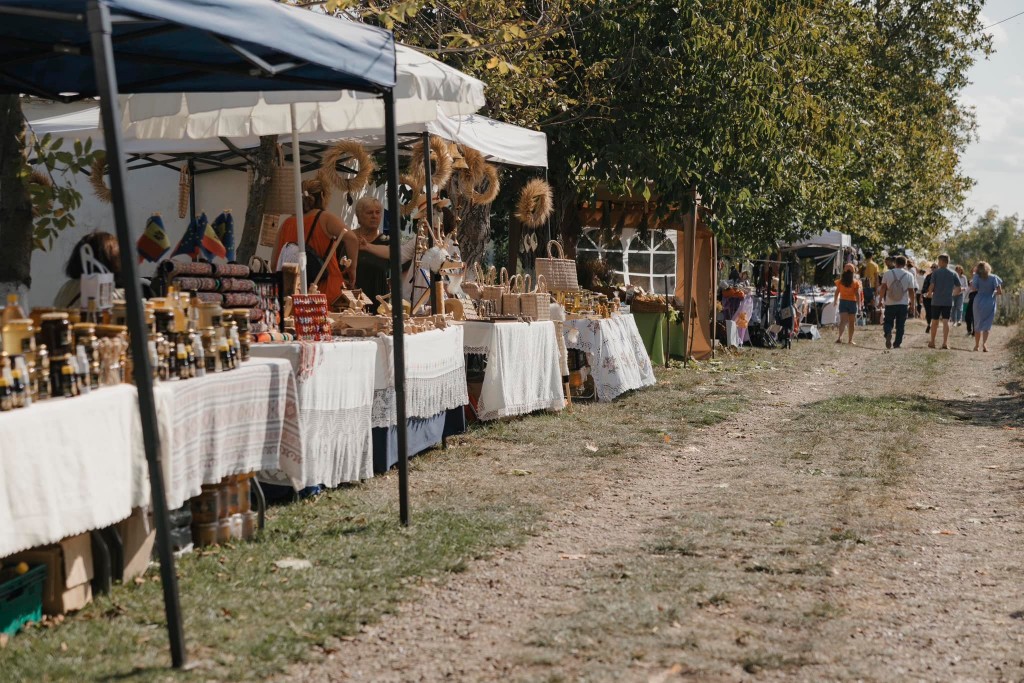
[(996, 161)]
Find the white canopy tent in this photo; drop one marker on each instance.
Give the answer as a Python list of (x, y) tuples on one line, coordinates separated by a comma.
[(499, 142), (826, 249)]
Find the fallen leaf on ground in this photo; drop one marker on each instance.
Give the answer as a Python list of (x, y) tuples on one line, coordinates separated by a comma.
[(570, 556), (521, 473), (293, 563), (591, 447), (662, 677), (991, 467), (667, 438), (943, 532), (722, 486)]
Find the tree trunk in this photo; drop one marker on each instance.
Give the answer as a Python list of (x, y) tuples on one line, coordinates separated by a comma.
[(262, 165), (474, 231), (15, 202)]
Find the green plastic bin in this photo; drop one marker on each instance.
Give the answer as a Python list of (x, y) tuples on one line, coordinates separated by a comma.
[(21, 599)]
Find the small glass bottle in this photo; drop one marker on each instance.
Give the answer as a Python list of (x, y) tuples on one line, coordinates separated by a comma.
[(200, 355), (182, 360), (6, 395), (67, 378), (82, 370), (223, 354), (43, 380), (21, 398)]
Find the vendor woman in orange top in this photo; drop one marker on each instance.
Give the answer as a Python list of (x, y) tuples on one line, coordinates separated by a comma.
[(850, 298), (321, 228)]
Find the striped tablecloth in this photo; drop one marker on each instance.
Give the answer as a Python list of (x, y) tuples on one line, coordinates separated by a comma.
[(243, 420)]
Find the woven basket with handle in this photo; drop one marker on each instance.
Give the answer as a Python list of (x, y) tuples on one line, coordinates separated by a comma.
[(535, 304), (494, 292), (510, 299), (558, 271), (281, 190)]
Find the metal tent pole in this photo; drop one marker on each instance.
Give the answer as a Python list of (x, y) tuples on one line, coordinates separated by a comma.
[(397, 311), (300, 219), (430, 221), (106, 81)]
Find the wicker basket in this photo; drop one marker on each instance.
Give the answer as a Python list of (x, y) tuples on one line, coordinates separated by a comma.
[(281, 190), (510, 299), (558, 271), (536, 304), (649, 305), (494, 292)]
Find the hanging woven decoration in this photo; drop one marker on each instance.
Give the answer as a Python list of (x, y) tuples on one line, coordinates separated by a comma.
[(43, 180), (184, 185), (485, 191), (440, 164), (414, 197), (536, 202), (99, 187), (475, 163), (355, 153)]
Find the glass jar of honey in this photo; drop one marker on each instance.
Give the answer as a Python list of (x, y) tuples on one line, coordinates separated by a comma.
[(55, 332)]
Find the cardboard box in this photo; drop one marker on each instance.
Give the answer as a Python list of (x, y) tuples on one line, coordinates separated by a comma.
[(69, 573), (137, 539)]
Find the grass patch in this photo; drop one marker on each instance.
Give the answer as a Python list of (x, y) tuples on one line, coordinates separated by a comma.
[(245, 619)]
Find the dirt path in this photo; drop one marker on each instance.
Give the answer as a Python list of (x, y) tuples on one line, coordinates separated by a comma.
[(861, 521)]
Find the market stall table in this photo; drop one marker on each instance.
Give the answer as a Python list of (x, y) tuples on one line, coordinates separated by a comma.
[(435, 392), (616, 353), (335, 393), (234, 422), (522, 373), (651, 327), (69, 466)]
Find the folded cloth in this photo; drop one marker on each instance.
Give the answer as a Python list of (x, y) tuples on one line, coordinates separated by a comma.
[(231, 284), (195, 284), (231, 270), (172, 268), (240, 300)]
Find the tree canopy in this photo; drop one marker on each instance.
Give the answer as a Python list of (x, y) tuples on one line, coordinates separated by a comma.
[(787, 118), (999, 240)]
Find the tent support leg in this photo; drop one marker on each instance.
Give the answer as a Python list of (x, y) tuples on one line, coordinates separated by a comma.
[(434, 277), (106, 80), (397, 310)]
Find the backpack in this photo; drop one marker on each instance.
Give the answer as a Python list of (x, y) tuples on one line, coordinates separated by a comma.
[(898, 287)]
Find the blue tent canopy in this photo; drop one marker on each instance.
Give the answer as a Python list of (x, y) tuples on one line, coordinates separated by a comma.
[(190, 45), (73, 49)]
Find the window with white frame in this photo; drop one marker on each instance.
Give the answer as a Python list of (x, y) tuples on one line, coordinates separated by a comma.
[(635, 260), (589, 247)]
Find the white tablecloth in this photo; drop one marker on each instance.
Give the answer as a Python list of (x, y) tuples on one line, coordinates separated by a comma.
[(435, 375), (69, 466), (335, 389), (243, 420), (615, 351), (522, 372)]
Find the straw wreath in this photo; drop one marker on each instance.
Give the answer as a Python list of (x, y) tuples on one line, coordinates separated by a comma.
[(491, 187), (536, 202), (440, 163), (414, 199), (357, 153), (43, 180), (474, 174), (99, 169)]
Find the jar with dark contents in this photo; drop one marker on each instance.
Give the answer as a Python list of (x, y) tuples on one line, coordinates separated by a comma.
[(55, 332)]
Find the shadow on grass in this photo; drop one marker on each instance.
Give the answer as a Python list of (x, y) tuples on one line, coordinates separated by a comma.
[(997, 411)]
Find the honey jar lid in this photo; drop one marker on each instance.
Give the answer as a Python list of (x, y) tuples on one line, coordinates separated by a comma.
[(60, 315)]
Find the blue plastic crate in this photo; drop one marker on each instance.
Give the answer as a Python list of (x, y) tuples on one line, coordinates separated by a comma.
[(21, 599)]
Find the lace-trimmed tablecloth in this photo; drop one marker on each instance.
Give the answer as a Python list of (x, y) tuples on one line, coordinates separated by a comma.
[(68, 466), (616, 353), (522, 373), (243, 420), (335, 388), (435, 375)]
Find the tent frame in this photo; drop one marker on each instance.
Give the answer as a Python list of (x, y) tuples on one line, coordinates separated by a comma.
[(99, 21)]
